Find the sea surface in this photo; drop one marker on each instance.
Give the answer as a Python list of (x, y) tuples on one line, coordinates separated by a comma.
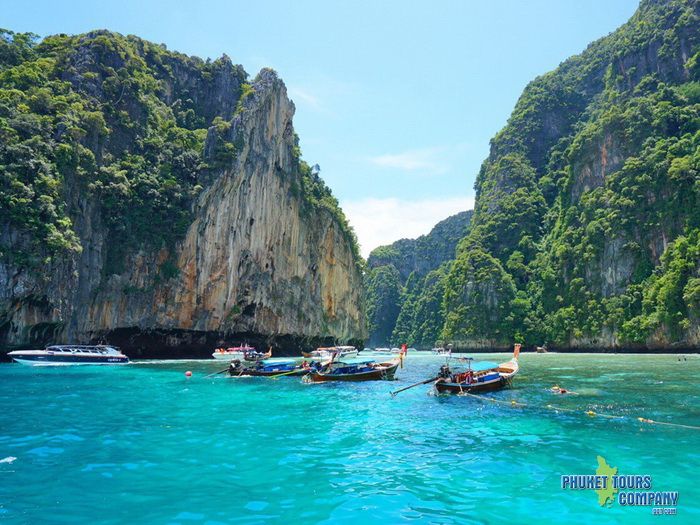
[(141, 443)]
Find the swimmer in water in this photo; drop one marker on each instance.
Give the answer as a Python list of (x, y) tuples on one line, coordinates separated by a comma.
[(556, 389)]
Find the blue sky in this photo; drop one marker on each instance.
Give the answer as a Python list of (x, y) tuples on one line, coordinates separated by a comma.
[(396, 100)]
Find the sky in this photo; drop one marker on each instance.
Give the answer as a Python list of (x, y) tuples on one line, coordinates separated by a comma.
[(395, 100)]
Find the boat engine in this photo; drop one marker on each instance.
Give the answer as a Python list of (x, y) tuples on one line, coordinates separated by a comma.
[(235, 367), (445, 372)]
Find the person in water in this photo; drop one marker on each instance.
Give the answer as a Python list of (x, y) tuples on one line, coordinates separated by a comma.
[(556, 389)]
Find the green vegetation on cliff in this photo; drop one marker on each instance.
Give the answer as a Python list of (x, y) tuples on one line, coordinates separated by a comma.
[(383, 296), (405, 285), (318, 196), (122, 123), (85, 115), (588, 207), (421, 318)]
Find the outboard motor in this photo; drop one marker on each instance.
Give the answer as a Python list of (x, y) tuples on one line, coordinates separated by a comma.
[(445, 372), (234, 367)]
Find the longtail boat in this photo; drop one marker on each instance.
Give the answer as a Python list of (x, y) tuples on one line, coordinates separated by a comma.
[(482, 376), (273, 367), (354, 369)]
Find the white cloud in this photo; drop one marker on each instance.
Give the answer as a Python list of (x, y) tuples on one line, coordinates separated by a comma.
[(321, 95), (426, 159), (303, 96), (383, 221)]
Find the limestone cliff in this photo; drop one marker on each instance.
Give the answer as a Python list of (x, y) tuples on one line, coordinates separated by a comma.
[(253, 245), (404, 285), (586, 224)]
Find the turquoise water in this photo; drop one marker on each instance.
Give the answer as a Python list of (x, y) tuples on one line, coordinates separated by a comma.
[(143, 444)]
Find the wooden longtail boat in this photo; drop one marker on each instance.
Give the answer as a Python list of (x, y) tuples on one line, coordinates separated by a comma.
[(354, 370), (273, 367), (479, 377)]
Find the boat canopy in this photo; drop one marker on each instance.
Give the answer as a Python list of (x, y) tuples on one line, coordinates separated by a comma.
[(82, 349), (356, 361)]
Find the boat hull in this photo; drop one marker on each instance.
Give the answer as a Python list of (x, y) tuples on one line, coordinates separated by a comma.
[(60, 360), (228, 356), (250, 372), (473, 388), (381, 373)]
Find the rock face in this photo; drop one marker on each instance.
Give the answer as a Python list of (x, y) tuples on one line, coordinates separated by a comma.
[(427, 252), (257, 259), (585, 231), (404, 288)]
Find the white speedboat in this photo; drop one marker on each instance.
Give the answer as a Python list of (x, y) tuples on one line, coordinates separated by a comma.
[(70, 355), (234, 352), (331, 351), (383, 351)]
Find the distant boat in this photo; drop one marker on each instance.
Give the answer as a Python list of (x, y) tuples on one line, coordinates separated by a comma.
[(381, 351), (339, 352), (70, 355), (233, 352), (245, 352), (442, 351), (255, 355), (354, 369), (541, 349), (480, 376)]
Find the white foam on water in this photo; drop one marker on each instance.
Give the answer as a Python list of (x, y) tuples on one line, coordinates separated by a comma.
[(8, 459)]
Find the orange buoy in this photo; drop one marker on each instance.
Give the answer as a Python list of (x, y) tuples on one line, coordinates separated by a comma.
[(188, 374)]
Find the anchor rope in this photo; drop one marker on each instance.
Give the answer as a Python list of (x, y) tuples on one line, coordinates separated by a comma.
[(591, 413)]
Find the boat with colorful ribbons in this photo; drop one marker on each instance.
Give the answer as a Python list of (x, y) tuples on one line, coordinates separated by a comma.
[(480, 376), (354, 369), (70, 355), (273, 367)]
